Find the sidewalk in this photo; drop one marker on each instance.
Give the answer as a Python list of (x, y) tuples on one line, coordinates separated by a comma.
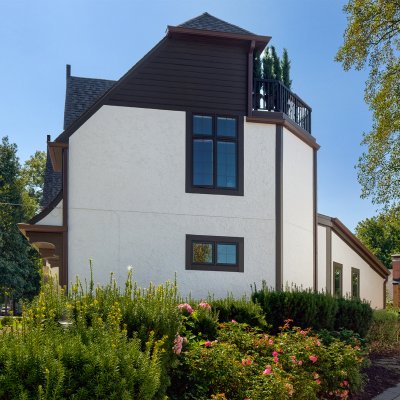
[(389, 394)]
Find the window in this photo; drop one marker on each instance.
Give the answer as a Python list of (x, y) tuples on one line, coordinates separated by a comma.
[(337, 279), (214, 154), (355, 283), (214, 253)]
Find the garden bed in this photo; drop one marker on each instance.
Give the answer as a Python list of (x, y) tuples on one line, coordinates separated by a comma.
[(383, 373)]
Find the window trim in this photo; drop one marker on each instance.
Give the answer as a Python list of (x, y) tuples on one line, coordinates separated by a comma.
[(215, 240), (340, 267), (355, 271), (190, 188)]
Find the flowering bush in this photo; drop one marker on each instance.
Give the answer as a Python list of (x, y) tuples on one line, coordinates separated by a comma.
[(244, 363)]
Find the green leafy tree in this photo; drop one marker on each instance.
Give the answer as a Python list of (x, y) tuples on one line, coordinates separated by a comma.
[(372, 39), (381, 234), (19, 272), (286, 69), (32, 175)]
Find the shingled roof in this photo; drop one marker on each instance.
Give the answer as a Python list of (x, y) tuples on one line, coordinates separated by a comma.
[(208, 22), (81, 94)]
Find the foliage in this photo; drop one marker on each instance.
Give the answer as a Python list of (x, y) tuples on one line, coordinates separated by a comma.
[(19, 263), (384, 333), (372, 38), (268, 65), (241, 310), (139, 324), (201, 321), (276, 62), (353, 314), (32, 175), (244, 363), (304, 307), (381, 234), (286, 69)]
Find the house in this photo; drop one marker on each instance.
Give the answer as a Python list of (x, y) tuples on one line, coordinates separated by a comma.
[(188, 166)]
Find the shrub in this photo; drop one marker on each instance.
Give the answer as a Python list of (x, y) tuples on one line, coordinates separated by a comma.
[(304, 307), (353, 314), (241, 310), (243, 363), (146, 319), (384, 333)]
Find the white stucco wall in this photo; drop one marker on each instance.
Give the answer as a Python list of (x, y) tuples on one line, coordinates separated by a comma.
[(297, 211), (128, 206), (321, 266), (371, 284), (54, 217)]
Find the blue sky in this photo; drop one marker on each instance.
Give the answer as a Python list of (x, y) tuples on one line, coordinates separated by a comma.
[(103, 39)]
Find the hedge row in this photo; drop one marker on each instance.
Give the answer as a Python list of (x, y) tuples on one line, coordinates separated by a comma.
[(316, 310)]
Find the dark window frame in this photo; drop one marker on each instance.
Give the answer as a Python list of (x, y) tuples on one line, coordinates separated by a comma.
[(190, 188), (355, 271), (215, 240), (339, 267)]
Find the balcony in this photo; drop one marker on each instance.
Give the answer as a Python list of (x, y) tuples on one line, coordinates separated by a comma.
[(273, 96)]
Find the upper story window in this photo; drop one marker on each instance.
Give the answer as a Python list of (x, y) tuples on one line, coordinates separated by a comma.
[(214, 154)]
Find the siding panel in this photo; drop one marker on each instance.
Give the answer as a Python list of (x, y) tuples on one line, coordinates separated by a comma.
[(189, 75)]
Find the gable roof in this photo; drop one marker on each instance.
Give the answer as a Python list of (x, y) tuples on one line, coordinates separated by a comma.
[(353, 242), (208, 22), (81, 93)]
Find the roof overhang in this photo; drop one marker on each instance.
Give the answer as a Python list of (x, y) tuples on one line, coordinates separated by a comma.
[(352, 241), (260, 41), (55, 152)]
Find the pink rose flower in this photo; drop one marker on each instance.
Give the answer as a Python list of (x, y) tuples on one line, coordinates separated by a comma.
[(274, 354), (276, 359), (208, 343), (186, 306), (205, 305), (318, 382), (270, 342), (313, 359), (267, 370), (300, 362), (234, 322), (178, 342)]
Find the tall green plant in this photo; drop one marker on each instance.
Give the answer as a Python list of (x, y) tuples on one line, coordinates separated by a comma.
[(286, 69), (267, 63), (277, 69)]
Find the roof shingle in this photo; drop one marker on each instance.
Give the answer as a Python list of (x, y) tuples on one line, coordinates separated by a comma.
[(210, 23)]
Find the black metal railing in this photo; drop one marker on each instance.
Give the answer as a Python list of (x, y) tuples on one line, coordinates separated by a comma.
[(273, 95)]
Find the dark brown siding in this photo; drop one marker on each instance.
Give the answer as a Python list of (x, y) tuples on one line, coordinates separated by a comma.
[(189, 75)]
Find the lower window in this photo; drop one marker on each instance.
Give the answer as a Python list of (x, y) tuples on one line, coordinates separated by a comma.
[(214, 253), (337, 279), (355, 283)]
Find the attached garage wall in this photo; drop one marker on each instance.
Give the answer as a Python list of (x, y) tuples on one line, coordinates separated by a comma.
[(371, 283)]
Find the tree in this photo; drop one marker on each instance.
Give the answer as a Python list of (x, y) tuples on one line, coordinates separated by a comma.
[(276, 65), (32, 175), (372, 38), (257, 69), (286, 69), (268, 65), (381, 234), (19, 272)]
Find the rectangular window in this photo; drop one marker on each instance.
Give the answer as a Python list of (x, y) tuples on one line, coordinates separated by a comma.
[(214, 253), (214, 154), (355, 283), (337, 279)]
